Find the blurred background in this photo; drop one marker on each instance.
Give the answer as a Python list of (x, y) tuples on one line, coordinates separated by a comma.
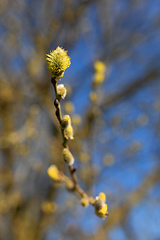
[(116, 120)]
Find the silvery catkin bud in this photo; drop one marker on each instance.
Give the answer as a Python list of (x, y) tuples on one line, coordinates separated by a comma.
[(61, 91), (66, 121), (68, 132), (99, 203), (101, 208), (68, 157)]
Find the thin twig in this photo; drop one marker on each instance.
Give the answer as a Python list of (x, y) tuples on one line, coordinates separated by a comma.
[(72, 171)]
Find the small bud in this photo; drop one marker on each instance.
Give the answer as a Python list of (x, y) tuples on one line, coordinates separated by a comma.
[(68, 157), (66, 121), (74, 170), (62, 91), (56, 103), (58, 62), (84, 202), (68, 132)]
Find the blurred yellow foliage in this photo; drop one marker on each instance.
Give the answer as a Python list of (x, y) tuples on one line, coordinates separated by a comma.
[(108, 160), (93, 96), (76, 119), (84, 157), (49, 207), (69, 107), (99, 75), (99, 67)]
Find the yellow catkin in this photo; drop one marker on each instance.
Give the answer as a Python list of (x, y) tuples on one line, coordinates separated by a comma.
[(58, 61), (53, 172)]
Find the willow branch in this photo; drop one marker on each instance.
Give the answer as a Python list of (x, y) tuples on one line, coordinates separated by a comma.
[(76, 187)]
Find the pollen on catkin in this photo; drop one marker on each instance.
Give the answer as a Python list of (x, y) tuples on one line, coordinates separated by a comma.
[(68, 157), (103, 196), (102, 213), (58, 62)]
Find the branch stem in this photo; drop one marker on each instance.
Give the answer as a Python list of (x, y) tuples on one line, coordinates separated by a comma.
[(72, 171)]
